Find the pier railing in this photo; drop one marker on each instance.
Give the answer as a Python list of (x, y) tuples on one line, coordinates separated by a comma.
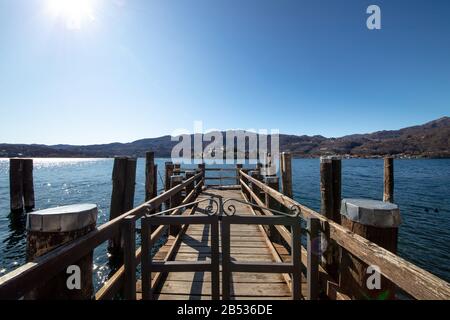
[(19, 282), (416, 282)]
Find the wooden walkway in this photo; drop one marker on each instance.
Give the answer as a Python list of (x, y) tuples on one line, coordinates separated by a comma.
[(249, 243)]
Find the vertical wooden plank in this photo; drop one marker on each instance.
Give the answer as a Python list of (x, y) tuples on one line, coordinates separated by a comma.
[(286, 173), (168, 172), (129, 248), (146, 259), (190, 187), (150, 181), (16, 185), (226, 259), (313, 258), (296, 258), (388, 195), (215, 262)]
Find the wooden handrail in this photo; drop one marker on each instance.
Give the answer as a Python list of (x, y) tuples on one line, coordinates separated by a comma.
[(113, 285), (21, 280), (415, 281)]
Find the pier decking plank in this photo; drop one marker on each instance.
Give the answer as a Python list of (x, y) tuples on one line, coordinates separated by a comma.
[(248, 244)]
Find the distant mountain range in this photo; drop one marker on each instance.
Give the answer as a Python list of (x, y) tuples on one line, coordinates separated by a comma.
[(430, 140)]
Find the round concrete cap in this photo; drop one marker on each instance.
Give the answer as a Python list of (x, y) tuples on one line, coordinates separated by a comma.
[(371, 212), (62, 219)]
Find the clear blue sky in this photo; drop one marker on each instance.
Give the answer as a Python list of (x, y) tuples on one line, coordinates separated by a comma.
[(132, 69)]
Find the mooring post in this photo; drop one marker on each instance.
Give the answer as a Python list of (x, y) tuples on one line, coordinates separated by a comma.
[(16, 185), (28, 185), (130, 185), (175, 201), (378, 222), (51, 228), (202, 168), (330, 252), (150, 181), (122, 196), (176, 169), (286, 173), (388, 195), (168, 172)]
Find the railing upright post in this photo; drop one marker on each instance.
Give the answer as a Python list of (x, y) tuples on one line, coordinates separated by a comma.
[(146, 260), (129, 248), (226, 260), (312, 248), (296, 260)]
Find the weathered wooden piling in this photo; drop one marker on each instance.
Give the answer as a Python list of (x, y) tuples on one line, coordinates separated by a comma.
[(16, 185), (388, 195), (377, 222), (51, 228), (28, 185), (150, 176), (330, 193), (122, 196), (175, 201), (176, 169), (286, 173), (21, 185)]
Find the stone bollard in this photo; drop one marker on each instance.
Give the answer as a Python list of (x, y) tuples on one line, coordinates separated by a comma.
[(378, 222), (51, 228)]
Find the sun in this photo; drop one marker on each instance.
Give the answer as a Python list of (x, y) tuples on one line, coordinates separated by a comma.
[(74, 13)]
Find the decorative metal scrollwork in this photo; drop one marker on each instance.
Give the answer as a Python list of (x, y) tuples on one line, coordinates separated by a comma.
[(230, 209)]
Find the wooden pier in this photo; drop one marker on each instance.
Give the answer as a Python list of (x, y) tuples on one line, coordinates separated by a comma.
[(241, 241)]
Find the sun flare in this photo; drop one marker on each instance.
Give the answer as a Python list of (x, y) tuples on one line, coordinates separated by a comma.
[(74, 13)]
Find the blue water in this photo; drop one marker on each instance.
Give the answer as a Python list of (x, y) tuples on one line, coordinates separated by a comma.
[(422, 190)]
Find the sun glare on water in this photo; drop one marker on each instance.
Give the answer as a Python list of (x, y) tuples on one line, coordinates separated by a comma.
[(73, 13)]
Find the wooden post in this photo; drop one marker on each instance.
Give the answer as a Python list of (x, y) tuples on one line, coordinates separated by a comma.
[(175, 201), (190, 187), (312, 249), (202, 168), (377, 222), (122, 197), (16, 185), (150, 181), (129, 240), (130, 185), (330, 252), (176, 169), (286, 174), (388, 195), (238, 168), (274, 183), (28, 185), (336, 165), (255, 174), (51, 228), (167, 174)]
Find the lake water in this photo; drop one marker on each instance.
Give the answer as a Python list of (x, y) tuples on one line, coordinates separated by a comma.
[(422, 190)]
